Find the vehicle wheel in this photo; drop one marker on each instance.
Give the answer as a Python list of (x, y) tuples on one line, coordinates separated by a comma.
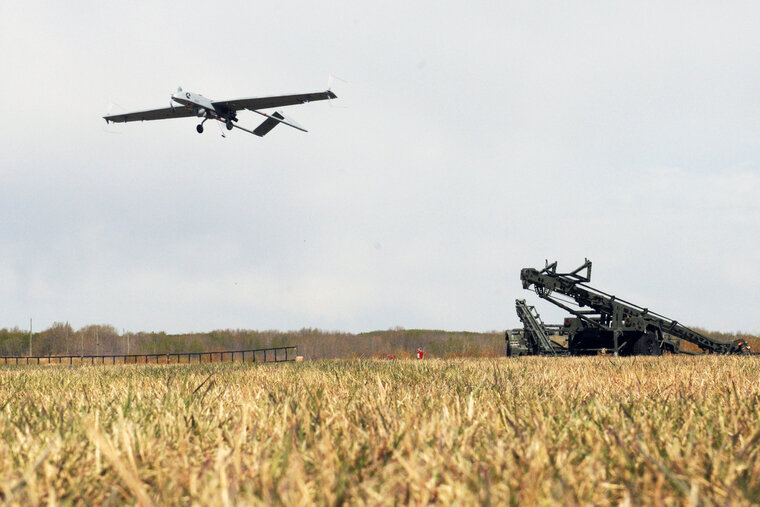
[(647, 345), (199, 128), (229, 125)]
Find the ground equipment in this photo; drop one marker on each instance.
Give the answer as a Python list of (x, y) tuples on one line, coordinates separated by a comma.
[(603, 322), (533, 339)]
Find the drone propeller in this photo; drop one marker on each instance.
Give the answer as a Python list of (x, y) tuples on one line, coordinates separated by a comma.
[(171, 102)]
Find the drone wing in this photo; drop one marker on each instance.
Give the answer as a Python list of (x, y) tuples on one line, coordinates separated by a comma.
[(152, 114), (255, 103)]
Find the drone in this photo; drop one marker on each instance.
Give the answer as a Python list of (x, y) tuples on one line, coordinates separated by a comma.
[(184, 104)]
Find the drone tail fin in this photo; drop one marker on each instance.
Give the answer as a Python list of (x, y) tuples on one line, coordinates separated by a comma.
[(273, 120)]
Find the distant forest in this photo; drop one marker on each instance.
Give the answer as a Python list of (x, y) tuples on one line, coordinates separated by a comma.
[(62, 339)]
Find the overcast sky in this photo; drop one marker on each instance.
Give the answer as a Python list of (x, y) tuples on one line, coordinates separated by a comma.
[(469, 140)]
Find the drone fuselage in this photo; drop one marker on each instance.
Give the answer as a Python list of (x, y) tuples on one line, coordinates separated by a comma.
[(202, 106)]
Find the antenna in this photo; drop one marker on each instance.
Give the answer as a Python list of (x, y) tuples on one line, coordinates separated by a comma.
[(107, 129), (220, 129), (330, 79)]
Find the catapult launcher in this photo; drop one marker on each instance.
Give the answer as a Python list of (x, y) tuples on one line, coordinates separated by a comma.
[(602, 322)]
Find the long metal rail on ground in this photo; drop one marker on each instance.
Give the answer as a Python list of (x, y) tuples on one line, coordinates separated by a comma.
[(627, 323), (266, 355), (535, 330)]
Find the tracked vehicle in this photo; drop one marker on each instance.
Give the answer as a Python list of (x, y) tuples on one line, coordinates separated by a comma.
[(602, 322)]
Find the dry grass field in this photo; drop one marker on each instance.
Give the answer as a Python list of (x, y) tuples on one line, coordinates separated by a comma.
[(670, 430)]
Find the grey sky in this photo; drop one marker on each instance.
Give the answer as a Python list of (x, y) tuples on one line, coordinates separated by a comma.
[(469, 140)]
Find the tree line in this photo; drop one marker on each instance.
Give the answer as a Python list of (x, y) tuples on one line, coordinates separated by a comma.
[(62, 339)]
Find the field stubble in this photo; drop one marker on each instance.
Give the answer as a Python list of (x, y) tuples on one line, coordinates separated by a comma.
[(571, 430)]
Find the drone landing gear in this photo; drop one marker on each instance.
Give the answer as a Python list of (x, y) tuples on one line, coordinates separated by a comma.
[(229, 124), (199, 128)]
